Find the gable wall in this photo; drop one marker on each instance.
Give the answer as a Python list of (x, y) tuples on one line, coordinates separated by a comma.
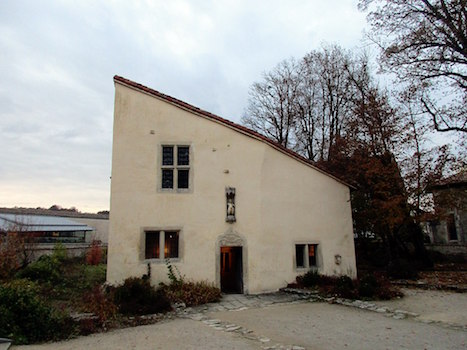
[(272, 205)]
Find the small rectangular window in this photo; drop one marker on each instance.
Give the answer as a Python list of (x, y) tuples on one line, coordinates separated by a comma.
[(171, 245), (451, 226), (167, 178), (312, 254), (306, 255), (167, 155), (299, 254), (152, 250), (183, 178), (183, 155), (175, 167), (153, 240)]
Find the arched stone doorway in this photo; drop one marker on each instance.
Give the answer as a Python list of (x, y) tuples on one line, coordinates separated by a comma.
[(231, 263)]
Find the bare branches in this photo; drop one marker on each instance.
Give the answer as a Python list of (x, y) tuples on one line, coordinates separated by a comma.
[(426, 45)]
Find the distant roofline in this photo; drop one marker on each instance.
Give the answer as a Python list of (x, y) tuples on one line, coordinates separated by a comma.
[(47, 212), (215, 118), (454, 181)]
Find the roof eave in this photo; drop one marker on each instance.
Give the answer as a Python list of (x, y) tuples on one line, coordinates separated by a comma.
[(227, 123)]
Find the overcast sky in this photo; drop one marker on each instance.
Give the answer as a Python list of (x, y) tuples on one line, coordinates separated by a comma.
[(58, 58)]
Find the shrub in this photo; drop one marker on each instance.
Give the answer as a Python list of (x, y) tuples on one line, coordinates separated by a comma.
[(94, 253), (136, 296), (310, 279), (192, 293), (59, 253), (25, 318), (9, 263), (45, 269), (385, 290), (367, 286), (100, 304), (344, 287)]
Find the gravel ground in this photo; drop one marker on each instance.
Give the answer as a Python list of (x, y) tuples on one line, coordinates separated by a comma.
[(299, 325), (323, 326), (174, 334), (433, 305)]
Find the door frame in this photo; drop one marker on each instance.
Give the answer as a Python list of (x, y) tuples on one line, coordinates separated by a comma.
[(232, 238)]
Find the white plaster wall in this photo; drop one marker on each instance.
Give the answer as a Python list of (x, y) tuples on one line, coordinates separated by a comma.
[(275, 206), (101, 228)]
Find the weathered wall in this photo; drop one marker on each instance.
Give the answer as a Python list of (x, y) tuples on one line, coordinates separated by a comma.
[(279, 201)]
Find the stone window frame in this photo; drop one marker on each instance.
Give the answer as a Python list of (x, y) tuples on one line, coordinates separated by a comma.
[(307, 267), (176, 167), (162, 231)]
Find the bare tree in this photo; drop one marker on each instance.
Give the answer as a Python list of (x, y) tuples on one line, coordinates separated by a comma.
[(324, 104), (425, 43), (272, 104)]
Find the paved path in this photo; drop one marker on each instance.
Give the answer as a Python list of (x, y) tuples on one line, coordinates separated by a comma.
[(284, 321)]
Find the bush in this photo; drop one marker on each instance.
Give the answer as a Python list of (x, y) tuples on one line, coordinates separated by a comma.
[(137, 297), (192, 293), (310, 279), (344, 287), (9, 262), (385, 290), (25, 318), (367, 286), (100, 304), (45, 269), (94, 253), (59, 253)]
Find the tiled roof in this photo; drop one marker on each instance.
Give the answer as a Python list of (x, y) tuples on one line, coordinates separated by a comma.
[(240, 128), (456, 180)]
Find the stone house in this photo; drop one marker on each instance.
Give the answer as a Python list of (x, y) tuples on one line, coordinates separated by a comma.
[(222, 202), (450, 199)]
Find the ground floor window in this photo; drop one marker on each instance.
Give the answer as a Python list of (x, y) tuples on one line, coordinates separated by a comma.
[(154, 240), (306, 255), (451, 227)]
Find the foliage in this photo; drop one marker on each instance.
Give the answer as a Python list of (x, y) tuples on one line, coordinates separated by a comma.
[(25, 318), (344, 287), (192, 293), (174, 275), (59, 253), (48, 268), (370, 286), (136, 296), (367, 286), (428, 52), (309, 279), (45, 269), (100, 303), (9, 264), (94, 253)]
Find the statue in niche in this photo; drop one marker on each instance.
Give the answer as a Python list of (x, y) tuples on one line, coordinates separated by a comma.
[(230, 196)]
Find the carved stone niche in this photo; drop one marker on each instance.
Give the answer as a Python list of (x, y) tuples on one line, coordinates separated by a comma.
[(230, 207)]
